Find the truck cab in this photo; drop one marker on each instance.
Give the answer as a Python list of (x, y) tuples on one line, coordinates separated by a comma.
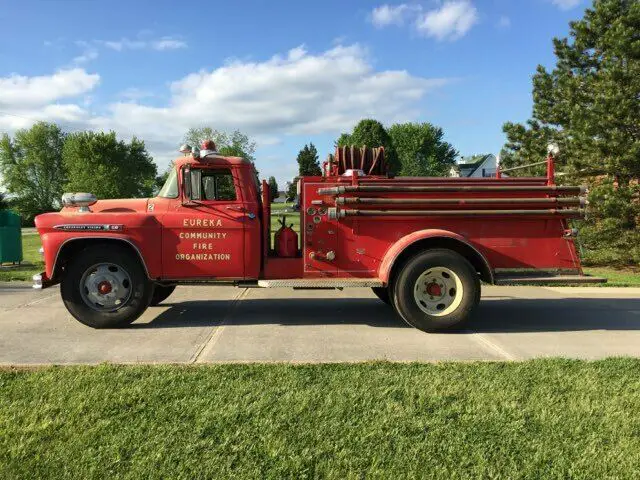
[(422, 244), (209, 216)]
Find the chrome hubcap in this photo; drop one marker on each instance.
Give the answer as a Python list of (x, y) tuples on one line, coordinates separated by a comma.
[(105, 287), (438, 291)]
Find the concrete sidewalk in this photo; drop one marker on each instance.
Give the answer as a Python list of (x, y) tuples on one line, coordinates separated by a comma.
[(222, 324)]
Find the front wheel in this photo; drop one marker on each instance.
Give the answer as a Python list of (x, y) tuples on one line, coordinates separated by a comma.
[(437, 290), (106, 288)]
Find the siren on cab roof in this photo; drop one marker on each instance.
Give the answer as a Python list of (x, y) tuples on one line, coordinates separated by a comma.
[(208, 145)]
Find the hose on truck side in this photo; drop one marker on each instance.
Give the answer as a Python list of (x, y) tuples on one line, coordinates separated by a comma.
[(571, 201), (566, 213), (557, 189)]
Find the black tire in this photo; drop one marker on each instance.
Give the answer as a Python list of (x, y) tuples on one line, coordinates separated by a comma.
[(140, 287), (161, 293), (383, 294), (462, 304)]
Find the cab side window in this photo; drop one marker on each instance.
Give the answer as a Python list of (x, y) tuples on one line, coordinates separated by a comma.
[(218, 185)]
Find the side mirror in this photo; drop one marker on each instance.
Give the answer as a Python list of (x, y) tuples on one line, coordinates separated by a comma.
[(192, 183)]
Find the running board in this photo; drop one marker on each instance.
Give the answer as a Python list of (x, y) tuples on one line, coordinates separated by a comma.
[(547, 279), (314, 283)]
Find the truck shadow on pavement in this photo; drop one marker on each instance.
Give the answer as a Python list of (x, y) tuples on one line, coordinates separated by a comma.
[(294, 312), (493, 315)]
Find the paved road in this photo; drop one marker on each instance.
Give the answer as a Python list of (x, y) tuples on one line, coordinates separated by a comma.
[(222, 324)]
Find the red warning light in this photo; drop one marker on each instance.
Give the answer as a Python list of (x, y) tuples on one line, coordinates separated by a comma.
[(208, 145)]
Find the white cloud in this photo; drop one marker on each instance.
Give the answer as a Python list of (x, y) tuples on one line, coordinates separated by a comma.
[(19, 92), (566, 4), (386, 15), (161, 44), (123, 44), (88, 55), (168, 43), (297, 93), (449, 22)]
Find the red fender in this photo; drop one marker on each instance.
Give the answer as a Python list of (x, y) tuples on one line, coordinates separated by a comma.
[(397, 248)]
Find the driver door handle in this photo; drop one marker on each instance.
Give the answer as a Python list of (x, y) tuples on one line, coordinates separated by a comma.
[(236, 208)]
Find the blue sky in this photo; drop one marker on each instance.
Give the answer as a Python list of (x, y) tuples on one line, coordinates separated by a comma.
[(284, 72)]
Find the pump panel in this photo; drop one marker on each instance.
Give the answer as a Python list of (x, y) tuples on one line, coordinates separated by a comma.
[(319, 233)]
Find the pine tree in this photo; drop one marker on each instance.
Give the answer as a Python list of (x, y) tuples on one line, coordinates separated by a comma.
[(273, 188), (308, 164), (589, 104)]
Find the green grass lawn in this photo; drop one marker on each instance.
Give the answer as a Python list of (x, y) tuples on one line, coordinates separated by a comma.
[(537, 419), (32, 261), (617, 277), (277, 207)]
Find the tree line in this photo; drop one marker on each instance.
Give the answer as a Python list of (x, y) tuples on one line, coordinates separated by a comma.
[(40, 163), (411, 149)]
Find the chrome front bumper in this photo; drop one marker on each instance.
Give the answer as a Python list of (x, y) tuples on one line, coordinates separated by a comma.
[(41, 281), (37, 281)]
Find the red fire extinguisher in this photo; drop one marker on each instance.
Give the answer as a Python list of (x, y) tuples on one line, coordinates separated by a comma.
[(286, 240)]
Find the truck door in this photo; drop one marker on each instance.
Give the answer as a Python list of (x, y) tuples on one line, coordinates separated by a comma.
[(205, 238)]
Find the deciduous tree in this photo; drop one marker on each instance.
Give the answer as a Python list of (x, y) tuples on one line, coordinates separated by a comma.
[(292, 189), (234, 144), (421, 150), (99, 163), (371, 133), (32, 168), (3, 202)]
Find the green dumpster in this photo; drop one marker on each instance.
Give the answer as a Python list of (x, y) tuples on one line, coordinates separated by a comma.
[(10, 237)]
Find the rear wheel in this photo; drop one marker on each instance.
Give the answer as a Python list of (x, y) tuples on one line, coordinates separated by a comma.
[(436, 290), (106, 288), (383, 294), (161, 293)]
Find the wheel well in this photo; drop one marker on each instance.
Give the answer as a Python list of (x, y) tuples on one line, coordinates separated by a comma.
[(474, 257), (74, 246)]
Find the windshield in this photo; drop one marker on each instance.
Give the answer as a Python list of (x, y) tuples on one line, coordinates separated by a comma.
[(170, 188)]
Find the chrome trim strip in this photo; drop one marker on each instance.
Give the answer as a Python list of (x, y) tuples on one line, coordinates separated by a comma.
[(55, 263), (553, 270), (90, 227)]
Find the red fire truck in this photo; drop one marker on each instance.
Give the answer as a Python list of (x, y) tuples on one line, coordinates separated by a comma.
[(422, 244)]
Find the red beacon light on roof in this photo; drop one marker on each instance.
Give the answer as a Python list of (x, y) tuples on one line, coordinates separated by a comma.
[(208, 147)]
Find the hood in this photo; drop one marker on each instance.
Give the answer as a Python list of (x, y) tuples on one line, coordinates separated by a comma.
[(131, 212), (121, 205)]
